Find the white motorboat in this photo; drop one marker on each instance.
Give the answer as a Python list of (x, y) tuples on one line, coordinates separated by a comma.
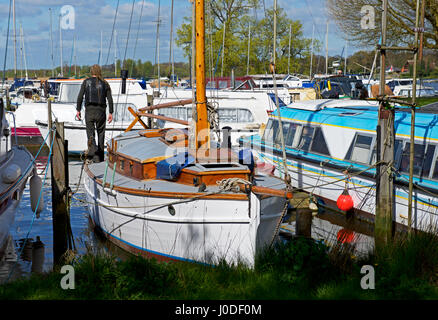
[(32, 117), (16, 166)]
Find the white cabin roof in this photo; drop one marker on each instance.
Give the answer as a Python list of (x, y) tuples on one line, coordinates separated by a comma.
[(319, 104)]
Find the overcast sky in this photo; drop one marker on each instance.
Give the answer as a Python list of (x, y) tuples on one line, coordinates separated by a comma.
[(95, 16)]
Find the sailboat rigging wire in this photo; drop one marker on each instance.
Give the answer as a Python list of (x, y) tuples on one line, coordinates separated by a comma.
[(7, 42), (112, 33), (136, 38), (129, 31), (171, 45), (157, 44)]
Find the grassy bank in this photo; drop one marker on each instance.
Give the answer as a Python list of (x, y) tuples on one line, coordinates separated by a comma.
[(422, 101), (300, 269)]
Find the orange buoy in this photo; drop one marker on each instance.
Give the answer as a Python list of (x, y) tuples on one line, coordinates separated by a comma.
[(345, 201)]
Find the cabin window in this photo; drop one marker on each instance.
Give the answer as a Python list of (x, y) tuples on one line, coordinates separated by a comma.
[(121, 112), (223, 84), (419, 153), (360, 150), (211, 85), (237, 83), (427, 165), (270, 131), (306, 138), (319, 145), (244, 115), (286, 127), (69, 92), (291, 134), (189, 113), (435, 171), (227, 115), (175, 112), (397, 145), (235, 115)]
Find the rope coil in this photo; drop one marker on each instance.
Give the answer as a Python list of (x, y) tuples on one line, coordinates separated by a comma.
[(232, 184)]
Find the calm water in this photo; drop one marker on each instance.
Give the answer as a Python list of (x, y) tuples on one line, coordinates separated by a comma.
[(328, 229), (42, 227)]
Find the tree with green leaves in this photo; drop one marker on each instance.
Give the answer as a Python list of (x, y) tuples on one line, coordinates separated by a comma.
[(235, 18)]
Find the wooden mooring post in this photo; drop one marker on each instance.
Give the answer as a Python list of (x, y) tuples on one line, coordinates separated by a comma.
[(303, 214), (60, 193)]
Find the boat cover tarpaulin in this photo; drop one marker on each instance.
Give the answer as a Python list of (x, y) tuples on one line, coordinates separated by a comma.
[(280, 102), (170, 168), (246, 158)]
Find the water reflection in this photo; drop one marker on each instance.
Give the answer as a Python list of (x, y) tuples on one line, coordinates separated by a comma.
[(36, 254), (331, 228)]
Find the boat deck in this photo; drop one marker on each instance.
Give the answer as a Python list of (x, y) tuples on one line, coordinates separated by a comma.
[(98, 170)]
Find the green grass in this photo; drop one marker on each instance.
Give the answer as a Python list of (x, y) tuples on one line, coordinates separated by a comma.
[(422, 101), (300, 269)]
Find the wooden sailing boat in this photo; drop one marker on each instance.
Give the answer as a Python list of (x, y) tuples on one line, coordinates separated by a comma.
[(172, 195)]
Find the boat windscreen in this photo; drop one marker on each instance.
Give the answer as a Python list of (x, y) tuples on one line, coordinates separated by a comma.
[(70, 92)]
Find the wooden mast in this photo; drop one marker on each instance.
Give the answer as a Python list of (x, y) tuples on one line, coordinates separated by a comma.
[(202, 129)]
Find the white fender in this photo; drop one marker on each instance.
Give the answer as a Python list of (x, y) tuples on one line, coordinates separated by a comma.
[(36, 184), (11, 173)]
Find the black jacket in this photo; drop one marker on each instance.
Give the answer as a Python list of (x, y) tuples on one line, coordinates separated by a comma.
[(96, 93)]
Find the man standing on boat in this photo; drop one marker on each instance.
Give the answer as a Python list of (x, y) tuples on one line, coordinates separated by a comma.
[(97, 91)]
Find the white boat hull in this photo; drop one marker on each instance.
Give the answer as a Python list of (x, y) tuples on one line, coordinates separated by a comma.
[(11, 197), (323, 183), (202, 230)]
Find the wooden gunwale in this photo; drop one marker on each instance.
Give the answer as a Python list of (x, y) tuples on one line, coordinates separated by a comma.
[(164, 194)]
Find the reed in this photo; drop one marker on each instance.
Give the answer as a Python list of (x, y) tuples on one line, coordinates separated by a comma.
[(298, 269)]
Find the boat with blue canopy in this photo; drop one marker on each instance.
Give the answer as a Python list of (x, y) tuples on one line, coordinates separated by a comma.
[(331, 147)]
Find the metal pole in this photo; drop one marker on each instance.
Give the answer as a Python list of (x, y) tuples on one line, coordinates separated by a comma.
[(420, 51), (115, 54), (412, 138), (345, 64), (51, 44), (15, 39), (326, 50), (288, 57), (171, 43), (223, 50), (158, 48), (60, 42), (101, 47), (74, 51), (311, 52), (249, 46), (385, 154), (21, 52), (24, 55)]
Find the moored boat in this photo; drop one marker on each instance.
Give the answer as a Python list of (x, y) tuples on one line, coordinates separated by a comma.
[(174, 194), (331, 147), (16, 166)]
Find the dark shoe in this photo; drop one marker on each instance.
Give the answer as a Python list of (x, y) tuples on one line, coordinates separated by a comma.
[(96, 159)]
